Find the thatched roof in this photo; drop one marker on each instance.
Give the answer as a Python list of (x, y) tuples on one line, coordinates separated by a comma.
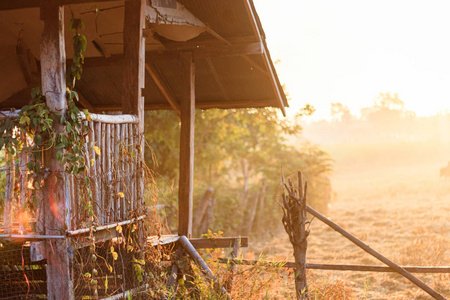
[(233, 64)]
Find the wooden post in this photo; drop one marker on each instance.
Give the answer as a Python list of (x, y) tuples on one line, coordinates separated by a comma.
[(294, 221), (53, 78), (186, 181), (134, 79)]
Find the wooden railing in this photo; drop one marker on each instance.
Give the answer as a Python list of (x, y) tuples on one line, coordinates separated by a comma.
[(112, 152)]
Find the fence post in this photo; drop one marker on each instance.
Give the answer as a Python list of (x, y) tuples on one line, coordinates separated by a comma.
[(294, 221)]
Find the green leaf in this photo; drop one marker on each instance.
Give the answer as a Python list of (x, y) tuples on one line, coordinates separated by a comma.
[(59, 155)]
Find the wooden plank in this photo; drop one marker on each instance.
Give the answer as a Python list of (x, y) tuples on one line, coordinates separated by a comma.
[(227, 242), (186, 179), (165, 91), (53, 78), (375, 254)]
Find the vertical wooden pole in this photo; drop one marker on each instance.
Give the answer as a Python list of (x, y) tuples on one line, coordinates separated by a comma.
[(9, 192), (53, 78), (186, 181), (134, 80)]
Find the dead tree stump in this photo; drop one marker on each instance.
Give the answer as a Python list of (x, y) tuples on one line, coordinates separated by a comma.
[(294, 221)]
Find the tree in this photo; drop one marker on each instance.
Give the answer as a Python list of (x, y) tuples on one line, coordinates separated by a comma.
[(234, 151)]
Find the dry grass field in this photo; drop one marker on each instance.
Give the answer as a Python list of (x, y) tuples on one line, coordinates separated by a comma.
[(400, 209)]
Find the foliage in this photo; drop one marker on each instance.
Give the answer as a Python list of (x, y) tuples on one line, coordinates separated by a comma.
[(235, 150), (36, 129)]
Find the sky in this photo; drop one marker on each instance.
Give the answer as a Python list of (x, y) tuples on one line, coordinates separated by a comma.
[(349, 51)]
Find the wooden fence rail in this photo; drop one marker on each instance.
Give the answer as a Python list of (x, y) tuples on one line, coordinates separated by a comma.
[(294, 220), (332, 267)]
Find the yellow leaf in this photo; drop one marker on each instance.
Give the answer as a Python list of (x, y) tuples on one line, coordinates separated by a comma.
[(112, 249), (115, 255), (119, 229), (97, 150), (133, 229), (120, 194), (92, 161)]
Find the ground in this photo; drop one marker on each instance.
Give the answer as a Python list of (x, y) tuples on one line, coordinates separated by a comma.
[(401, 210)]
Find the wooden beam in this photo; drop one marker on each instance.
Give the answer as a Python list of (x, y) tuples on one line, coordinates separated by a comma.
[(331, 267), (19, 4), (216, 76), (165, 91), (173, 53), (227, 242), (217, 36), (202, 105), (255, 65), (186, 180), (57, 210)]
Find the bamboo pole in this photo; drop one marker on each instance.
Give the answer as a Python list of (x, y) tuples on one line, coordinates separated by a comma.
[(376, 254), (118, 171), (9, 192), (23, 188), (107, 171), (133, 168), (331, 267), (104, 227), (126, 180), (93, 165), (122, 175), (100, 137)]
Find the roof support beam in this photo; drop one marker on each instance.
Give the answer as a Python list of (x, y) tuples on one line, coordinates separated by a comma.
[(173, 53), (255, 65), (217, 79), (200, 105), (186, 181), (165, 91), (19, 4)]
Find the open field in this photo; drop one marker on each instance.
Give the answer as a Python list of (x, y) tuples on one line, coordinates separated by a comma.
[(399, 209)]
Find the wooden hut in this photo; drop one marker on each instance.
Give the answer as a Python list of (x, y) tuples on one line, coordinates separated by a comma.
[(141, 55)]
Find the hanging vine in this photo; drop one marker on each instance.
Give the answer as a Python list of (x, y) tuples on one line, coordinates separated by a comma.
[(33, 130)]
